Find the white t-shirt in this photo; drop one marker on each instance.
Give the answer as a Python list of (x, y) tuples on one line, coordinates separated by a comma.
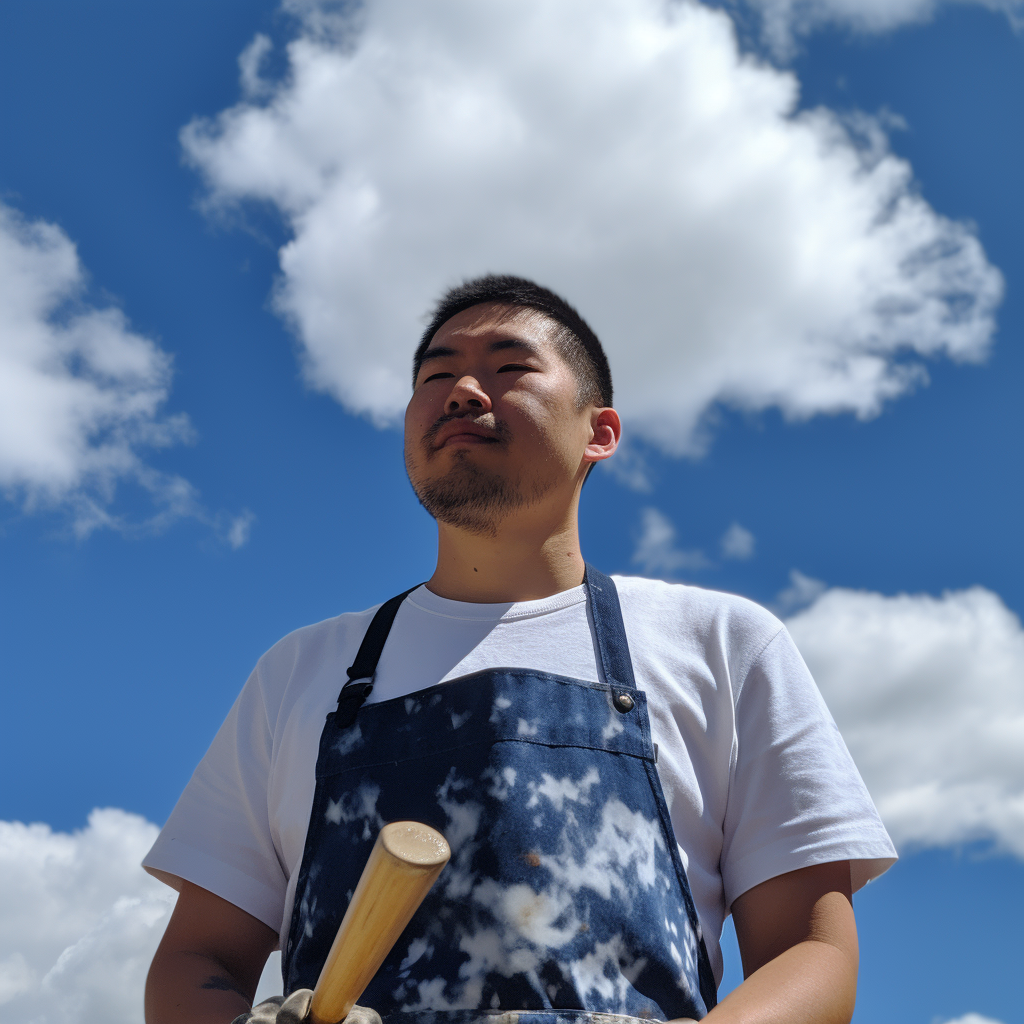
[(757, 779)]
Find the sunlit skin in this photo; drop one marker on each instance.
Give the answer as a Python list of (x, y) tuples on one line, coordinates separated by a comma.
[(496, 401), (493, 391)]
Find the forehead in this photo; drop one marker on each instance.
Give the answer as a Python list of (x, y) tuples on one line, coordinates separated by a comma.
[(491, 320)]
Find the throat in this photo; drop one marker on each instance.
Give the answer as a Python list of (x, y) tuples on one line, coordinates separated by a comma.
[(502, 568)]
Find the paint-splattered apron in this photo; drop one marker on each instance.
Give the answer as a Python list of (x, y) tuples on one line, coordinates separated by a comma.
[(565, 894)]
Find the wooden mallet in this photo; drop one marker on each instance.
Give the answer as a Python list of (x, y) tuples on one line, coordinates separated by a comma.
[(401, 868)]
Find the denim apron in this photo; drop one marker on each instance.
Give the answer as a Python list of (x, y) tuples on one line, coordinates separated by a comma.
[(565, 898)]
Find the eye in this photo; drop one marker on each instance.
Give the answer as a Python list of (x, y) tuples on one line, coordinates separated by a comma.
[(437, 376), (514, 366)]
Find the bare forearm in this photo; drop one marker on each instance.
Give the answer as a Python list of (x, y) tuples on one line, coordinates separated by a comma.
[(810, 983), (209, 961), (188, 988)]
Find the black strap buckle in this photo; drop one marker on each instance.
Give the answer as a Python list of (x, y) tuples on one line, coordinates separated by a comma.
[(361, 675), (352, 697)]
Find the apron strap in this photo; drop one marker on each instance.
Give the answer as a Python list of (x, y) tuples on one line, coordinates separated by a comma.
[(360, 676), (610, 644), (609, 633)]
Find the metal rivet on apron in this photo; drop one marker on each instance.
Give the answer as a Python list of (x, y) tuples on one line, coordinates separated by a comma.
[(624, 702)]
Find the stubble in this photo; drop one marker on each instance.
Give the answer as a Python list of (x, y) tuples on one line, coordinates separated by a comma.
[(469, 496)]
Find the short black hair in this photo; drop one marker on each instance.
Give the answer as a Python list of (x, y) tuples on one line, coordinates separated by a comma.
[(577, 343)]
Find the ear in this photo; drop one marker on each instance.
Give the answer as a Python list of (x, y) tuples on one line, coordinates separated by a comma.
[(605, 431)]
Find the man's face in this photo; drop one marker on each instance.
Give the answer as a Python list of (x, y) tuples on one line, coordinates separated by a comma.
[(493, 425)]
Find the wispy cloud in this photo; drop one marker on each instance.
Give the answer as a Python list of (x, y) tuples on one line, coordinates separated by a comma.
[(630, 467), (802, 590), (928, 694), (784, 20), (239, 529), (737, 542), (656, 552), (726, 249), (973, 1018), (81, 393)]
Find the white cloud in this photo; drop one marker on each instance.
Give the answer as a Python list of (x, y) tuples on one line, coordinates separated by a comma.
[(81, 395), (656, 552), (737, 542), (240, 529), (782, 20), (802, 590), (630, 467), (623, 153), (973, 1018), (929, 695), (80, 392), (81, 921), (250, 61)]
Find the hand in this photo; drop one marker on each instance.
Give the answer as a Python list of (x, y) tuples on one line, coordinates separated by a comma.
[(278, 1010), (295, 1010)]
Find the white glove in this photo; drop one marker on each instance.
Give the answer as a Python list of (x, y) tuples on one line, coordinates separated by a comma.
[(295, 1010), (278, 1010)]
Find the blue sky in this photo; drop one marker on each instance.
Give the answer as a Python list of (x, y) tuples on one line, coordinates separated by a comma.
[(239, 475)]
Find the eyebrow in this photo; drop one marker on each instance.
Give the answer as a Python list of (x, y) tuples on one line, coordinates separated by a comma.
[(436, 353), (495, 346)]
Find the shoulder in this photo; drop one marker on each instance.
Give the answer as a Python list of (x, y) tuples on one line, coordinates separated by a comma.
[(696, 633), (308, 658), (699, 616), (317, 639)]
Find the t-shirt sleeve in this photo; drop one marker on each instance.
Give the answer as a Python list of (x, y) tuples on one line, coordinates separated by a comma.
[(795, 797), (218, 835)]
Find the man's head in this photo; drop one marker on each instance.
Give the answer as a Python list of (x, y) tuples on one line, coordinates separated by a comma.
[(576, 342), (509, 408)]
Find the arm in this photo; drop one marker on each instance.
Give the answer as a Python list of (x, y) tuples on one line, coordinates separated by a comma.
[(798, 941), (209, 961)]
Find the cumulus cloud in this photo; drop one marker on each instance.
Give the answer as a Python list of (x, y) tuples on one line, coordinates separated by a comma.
[(656, 551), (81, 921), (929, 695), (625, 154), (737, 542), (783, 20), (81, 394)]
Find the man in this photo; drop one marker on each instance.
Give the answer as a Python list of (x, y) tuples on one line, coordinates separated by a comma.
[(616, 765)]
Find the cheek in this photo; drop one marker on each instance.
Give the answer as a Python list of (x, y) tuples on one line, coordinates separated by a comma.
[(558, 432), (414, 428), (418, 415)]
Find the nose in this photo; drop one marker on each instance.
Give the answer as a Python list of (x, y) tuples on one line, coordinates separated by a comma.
[(467, 396)]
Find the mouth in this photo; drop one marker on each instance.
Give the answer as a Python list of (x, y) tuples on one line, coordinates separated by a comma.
[(466, 438), (458, 431)]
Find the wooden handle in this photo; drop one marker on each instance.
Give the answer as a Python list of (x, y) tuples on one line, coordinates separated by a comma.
[(402, 866)]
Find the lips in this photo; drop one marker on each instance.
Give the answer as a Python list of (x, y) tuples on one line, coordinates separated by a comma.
[(463, 430)]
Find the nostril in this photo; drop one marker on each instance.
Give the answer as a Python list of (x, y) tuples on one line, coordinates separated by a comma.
[(476, 402)]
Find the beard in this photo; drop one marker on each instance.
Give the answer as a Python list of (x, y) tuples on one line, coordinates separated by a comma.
[(471, 498), (468, 496)]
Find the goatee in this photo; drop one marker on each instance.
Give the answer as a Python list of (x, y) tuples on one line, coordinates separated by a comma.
[(468, 496), (471, 498)]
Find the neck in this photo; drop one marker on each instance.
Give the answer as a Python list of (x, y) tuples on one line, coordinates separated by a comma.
[(520, 561)]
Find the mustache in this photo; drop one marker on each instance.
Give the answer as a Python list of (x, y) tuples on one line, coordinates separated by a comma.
[(495, 428)]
